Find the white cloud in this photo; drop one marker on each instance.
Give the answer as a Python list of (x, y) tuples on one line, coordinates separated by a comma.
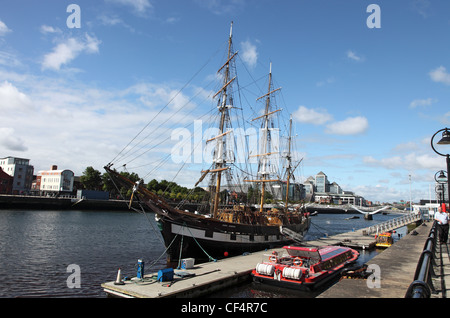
[(140, 7), (172, 20), (68, 50), (353, 56), (349, 126), (406, 147), (11, 99), (446, 119), (329, 80), (410, 162), (220, 7), (114, 20), (383, 193), (75, 125), (49, 29), (422, 102), (4, 29), (154, 95), (9, 59), (312, 116), (440, 75), (10, 141), (422, 7), (249, 54)]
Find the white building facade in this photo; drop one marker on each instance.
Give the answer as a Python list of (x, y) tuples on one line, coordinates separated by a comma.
[(55, 181)]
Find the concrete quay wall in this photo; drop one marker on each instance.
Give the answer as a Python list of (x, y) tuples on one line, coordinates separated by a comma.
[(11, 202)]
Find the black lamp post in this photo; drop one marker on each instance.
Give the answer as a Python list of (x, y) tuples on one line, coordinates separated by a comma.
[(440, 180), (444, 141)]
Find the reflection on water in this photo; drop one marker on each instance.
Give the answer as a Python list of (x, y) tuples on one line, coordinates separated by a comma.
[(36, 247)]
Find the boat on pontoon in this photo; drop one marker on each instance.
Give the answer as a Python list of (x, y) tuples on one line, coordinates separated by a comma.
[(303, 267), (384, 240)]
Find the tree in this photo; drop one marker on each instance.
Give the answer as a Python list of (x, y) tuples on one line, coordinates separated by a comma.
[(153, 185), (123, 192), (91, 179)]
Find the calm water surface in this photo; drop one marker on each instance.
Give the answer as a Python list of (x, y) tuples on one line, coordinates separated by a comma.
[(36, 248)]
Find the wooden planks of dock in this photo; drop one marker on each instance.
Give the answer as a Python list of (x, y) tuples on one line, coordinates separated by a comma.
[(206, 278)]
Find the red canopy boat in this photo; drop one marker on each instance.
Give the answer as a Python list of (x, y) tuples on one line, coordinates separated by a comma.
[(303, 267)]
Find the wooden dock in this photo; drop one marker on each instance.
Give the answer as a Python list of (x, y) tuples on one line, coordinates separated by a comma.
[(206, 278)]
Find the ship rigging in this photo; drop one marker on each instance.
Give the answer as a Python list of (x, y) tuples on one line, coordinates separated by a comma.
[(229, 223)]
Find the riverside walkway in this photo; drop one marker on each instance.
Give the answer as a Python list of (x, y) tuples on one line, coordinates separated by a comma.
[(394, 270)]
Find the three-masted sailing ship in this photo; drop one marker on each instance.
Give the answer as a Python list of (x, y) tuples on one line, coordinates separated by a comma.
[(232, 227)]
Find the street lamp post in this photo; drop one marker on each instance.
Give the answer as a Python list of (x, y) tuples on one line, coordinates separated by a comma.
[(410, 195), (444, 141), (440, 180)]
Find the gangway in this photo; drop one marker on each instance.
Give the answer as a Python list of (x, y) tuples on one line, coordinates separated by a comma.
[(291, 234), (392, 224)]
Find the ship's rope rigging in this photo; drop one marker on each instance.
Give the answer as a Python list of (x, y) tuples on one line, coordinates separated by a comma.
[(141, 145), (124, 151)]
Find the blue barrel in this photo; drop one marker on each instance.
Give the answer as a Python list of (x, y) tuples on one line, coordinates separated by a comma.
[(165, 275), (140, 269)]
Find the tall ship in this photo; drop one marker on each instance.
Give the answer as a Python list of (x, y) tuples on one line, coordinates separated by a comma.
[(228, 223)]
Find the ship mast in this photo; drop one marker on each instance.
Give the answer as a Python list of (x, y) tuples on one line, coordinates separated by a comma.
[(289, 167), (223, 109), (266, 140)]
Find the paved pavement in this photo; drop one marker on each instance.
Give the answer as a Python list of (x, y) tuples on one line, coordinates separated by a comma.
[(441, 281), (393, 269)]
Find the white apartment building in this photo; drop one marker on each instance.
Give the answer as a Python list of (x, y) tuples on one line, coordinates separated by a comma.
[(22, 172), (55, 180)]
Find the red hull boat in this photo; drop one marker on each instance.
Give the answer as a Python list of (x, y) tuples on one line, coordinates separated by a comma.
[(303, 267)]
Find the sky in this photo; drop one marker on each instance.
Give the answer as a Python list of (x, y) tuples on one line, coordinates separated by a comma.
[(367, 86)]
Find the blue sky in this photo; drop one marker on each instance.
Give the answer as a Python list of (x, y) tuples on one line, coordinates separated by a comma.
[(365, 101)]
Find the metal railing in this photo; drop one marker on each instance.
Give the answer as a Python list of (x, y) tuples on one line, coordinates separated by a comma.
[(422, 286), (392, 224)]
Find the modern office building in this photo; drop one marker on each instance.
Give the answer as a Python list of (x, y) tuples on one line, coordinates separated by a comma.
[(335, 188), (321, 182), (21, 171), (322, 191)]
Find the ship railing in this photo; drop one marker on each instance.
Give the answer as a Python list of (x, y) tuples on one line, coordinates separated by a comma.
[(422, 286), (392, 224)]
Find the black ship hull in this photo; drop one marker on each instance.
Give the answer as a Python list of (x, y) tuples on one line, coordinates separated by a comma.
[(208, 239)]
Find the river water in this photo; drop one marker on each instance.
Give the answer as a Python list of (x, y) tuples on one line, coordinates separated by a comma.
[(71, 253)]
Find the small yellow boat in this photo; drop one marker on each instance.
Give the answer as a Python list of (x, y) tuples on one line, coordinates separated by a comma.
[(384, 240)]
